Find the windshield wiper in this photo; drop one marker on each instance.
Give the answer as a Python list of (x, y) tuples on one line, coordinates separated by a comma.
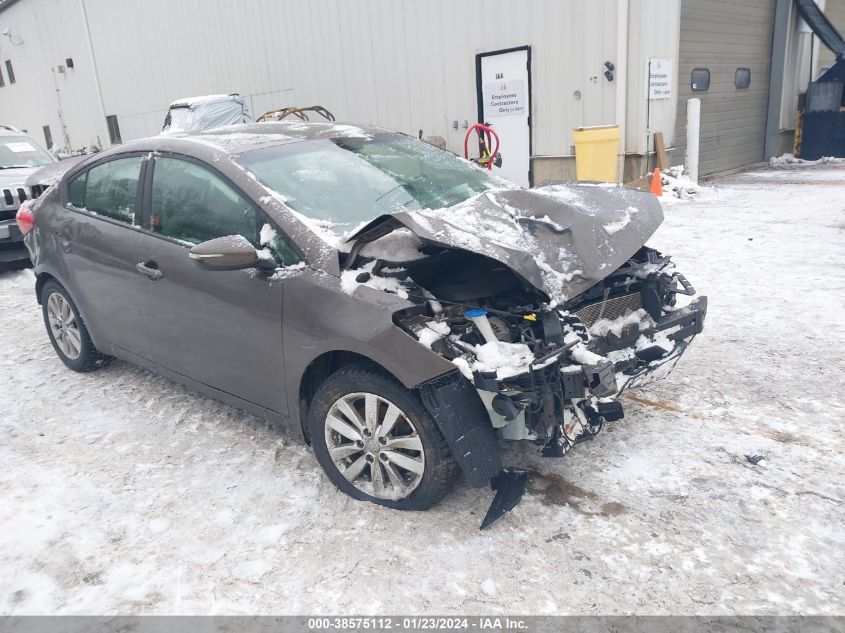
[(14, 166)]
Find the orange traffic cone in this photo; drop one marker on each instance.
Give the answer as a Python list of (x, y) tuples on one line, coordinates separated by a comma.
[(656, 183)]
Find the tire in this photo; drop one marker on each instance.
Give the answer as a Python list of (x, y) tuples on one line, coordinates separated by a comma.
[(413, 439), (68, 333)]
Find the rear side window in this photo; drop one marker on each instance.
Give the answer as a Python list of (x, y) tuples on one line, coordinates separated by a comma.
[(192, 204), (109, 189)]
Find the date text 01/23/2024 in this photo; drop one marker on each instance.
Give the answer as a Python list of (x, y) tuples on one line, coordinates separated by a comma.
[(421, 623)]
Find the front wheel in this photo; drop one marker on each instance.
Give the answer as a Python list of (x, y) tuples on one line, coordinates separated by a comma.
[(377, 442)]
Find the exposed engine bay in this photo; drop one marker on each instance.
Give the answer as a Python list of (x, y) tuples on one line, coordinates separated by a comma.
[(547, 374)]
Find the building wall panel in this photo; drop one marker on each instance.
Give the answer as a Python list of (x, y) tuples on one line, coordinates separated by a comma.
[(399, 63), (652, 34)]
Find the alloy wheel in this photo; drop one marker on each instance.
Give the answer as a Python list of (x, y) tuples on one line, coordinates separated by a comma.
[(375, 445), (64, 326)]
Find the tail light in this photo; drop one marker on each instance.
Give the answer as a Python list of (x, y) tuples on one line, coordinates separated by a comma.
[(25, 218)]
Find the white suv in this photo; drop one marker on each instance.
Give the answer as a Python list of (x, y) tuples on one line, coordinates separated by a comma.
[(20, 156)]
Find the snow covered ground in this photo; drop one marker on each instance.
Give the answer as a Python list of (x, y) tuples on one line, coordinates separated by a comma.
[(122, 492)]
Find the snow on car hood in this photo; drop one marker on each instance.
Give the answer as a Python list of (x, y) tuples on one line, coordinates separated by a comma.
[(560, 238)]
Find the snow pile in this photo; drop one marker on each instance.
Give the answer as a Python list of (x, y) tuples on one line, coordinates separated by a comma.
[(580, 354), (428, 336), (349, 281), (676, 184), (267, 235), (506, 359), (265, 254), (433, 331), (603, 327), (397, 246), (659, 339), (345, 130), (789, 159)]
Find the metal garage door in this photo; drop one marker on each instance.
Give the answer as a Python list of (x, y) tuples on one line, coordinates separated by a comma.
[(722, 36)]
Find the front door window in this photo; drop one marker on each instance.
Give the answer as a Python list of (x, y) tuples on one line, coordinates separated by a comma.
[(191, 204)]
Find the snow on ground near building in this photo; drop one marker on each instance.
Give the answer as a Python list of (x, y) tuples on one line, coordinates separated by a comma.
[(123, 492)]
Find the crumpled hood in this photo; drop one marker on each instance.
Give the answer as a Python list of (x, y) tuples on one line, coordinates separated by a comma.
[(560, 238)]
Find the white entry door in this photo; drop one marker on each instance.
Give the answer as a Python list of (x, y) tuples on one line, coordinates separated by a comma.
[(506, 105)]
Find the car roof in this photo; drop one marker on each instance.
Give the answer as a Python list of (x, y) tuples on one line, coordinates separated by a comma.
[(243, 137), (236, 139), (213, 145)]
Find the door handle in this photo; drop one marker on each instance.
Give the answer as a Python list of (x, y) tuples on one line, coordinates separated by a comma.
[(149, 269)]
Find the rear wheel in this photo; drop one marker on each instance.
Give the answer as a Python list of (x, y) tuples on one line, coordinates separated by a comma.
[(377, 442), (67, 330)]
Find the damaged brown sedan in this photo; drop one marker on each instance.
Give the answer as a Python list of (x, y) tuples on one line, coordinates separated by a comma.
[(398, 307)]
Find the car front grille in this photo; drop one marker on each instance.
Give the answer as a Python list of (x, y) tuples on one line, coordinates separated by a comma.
[(611, 309), (11, 200)]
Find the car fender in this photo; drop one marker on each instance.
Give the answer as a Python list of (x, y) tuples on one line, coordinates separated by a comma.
[(319, 317)]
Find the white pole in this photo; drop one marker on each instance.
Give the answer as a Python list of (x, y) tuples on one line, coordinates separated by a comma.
[(621, 74), (693, 122), (61, 114), (95, 72)]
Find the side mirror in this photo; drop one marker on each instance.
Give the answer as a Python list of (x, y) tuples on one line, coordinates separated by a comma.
[(230, 252)]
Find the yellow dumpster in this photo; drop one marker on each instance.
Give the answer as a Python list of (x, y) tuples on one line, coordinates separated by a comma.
[(595, 152)]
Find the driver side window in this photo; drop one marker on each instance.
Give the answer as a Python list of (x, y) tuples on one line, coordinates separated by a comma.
[(192, 204)]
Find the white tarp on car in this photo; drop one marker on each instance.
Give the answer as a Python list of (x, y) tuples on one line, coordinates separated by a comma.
[(203, 113)]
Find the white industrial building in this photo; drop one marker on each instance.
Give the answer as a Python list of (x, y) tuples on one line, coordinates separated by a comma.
[(98, 72)]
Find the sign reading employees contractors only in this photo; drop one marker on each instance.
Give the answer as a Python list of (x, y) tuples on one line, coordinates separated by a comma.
[(504, 98), (658, 78)]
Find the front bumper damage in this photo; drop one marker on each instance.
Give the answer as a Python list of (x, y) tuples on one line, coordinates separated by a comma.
[(655, 361), (563, 399), (544, 396)]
